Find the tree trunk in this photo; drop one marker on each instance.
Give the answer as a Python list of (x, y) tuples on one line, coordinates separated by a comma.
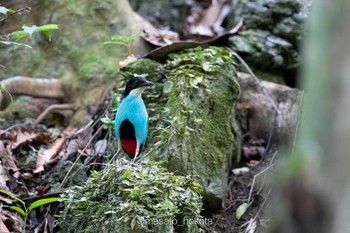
[(76, 54)]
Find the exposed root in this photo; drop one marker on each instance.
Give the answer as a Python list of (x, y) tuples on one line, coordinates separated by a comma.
[(50, 109), (20, 85)]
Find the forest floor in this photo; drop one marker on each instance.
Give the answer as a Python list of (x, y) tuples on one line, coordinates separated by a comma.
[(41, 159), (44, 160)]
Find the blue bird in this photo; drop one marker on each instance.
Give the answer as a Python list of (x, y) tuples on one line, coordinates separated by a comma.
[(131, 120)]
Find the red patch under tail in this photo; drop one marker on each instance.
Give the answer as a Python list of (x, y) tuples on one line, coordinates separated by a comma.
[(129, 146)]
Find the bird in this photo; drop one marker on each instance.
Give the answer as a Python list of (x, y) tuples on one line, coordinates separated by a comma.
[(131, 119)]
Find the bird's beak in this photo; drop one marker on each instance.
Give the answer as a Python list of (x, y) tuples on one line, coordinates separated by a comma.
[(148, 83)]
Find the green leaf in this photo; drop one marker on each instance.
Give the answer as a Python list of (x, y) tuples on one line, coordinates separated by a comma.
[(29, 29), (47, 27), (124, 40), (14, 43), (43, 202), (19, 210), (4, 10), (241, 210), (13, 196), (19, 34), (107, 120)]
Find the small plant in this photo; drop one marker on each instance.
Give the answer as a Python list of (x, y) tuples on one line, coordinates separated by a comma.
[(13, 38), (108, 119), (7, 92), (124, 40), (24, 211)]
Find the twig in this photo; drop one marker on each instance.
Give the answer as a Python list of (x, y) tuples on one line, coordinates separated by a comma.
[(80, 154), (298, 120), (252, 222), (140, 158), (270, 165), (9, 128), (255, 177), (262, 205), (90, 124), (257, 80), (50, 109), (19, 11), (47, 195), (115, 155), (251, 226)]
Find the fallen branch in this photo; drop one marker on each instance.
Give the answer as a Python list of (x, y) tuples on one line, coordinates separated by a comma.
[(20, 85)]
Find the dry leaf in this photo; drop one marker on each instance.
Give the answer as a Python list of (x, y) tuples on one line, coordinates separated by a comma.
[(3, 228), (126, 61), (72, 147), (100, 146), (6, 199), (24, 136), (7, 159), (84, 135), (49, 156), (3, 175), (253, 163), (153, 35), (209, 21), (247, 105), (12, 220), (241, 170)]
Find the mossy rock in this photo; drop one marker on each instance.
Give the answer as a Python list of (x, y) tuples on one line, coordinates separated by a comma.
[(272, 35), (133, 197), (192, 117)]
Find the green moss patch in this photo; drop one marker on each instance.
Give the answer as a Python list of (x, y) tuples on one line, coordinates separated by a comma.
[(126, 197)]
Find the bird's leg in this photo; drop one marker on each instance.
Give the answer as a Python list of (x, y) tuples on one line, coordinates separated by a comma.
[(115, 155), (136, 152), (144, 156)]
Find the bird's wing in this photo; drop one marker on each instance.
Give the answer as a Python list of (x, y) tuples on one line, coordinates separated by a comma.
[(135, 111), (140, 122)]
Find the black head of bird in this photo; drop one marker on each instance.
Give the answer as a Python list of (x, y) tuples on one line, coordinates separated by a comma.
[(137, 85)]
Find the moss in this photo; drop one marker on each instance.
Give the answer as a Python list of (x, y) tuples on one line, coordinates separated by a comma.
[(199, 138), (127, 197), (153, 70), (270, 77), (192, 115)]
